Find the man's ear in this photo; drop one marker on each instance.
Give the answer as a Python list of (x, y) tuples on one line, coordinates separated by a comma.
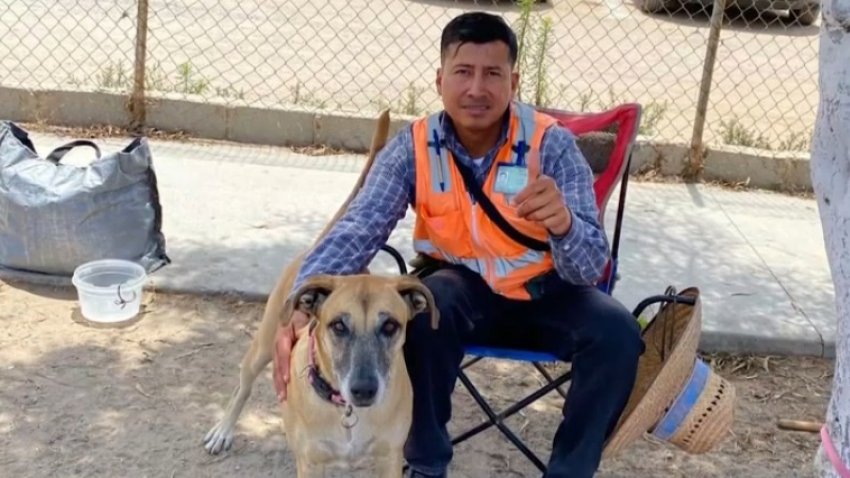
[(439, 81), (418, 298), (309, 296)]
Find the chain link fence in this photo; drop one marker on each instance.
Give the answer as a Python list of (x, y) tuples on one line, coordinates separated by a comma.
[(75, 44), (354, 55), (765, 89)]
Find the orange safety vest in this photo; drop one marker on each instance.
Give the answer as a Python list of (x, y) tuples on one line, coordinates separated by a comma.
[(450, 226)]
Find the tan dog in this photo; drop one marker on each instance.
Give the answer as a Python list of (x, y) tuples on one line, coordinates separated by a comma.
[(362, 414), (349, 399)]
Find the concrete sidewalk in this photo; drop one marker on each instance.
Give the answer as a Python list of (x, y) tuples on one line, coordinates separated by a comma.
[(235, 214)]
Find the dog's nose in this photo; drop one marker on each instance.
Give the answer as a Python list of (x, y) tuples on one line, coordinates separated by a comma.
[(364, 391)]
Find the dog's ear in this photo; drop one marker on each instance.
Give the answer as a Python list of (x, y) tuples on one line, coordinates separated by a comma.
[(418, 298), (310, 295)]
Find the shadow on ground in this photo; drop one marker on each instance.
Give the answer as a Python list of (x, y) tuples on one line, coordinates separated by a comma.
[(136, 400)]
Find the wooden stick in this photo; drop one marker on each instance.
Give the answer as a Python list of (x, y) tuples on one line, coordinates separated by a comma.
[(137, 100), (799, 425)]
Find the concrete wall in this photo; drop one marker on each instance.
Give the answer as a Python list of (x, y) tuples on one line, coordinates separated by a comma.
[(299, 127)]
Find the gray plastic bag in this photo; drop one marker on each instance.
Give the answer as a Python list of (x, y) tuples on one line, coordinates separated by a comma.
[(55, 217)]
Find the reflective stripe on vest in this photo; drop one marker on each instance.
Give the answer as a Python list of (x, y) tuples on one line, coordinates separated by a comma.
[(527, 125), (503, 267), (441, 180), (426, 247)]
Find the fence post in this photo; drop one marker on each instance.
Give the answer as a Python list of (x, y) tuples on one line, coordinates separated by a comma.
[(694, 165), (137, 102)]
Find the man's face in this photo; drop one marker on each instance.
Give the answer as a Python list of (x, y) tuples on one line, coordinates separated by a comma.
[(477, 83)]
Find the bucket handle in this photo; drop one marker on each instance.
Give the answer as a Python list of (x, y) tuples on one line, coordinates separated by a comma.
[(121, 301)]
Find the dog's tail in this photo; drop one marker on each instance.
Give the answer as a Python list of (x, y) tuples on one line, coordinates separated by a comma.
[(379, 139)]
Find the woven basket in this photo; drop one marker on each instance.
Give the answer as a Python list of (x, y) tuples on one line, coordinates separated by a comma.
[(702, 414), (671, 341), (676, 397)]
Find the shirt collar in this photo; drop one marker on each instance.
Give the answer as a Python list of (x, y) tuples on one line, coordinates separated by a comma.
[(460, 152)]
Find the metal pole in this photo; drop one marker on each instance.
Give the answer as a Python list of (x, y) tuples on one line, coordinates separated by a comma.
[(693, 168), (137, 104)]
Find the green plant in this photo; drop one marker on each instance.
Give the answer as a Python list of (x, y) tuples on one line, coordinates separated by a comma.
[(114, 76), (523, 27), (613, 98), (585, 100), (306, 98), (653, 112), (408, 104), (187, 83), (381, 103), (409, 101), (230, 92), (735, 133), (651, 117), (156, 79), (533, 43), (541, 66), (296, 92), (796, 141)]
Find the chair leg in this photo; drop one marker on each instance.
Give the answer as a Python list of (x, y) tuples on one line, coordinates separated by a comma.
[(497, 420), (549, 378), (470, 362)]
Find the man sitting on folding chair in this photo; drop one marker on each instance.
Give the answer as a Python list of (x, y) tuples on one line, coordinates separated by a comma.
[(487, 154)]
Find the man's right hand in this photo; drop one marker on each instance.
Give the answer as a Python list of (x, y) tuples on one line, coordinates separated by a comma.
[(285, 338)]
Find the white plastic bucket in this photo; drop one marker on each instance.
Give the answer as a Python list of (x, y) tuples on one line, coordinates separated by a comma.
[(109, 290)]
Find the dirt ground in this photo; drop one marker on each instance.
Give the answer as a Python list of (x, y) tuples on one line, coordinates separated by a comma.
[(81, 400)]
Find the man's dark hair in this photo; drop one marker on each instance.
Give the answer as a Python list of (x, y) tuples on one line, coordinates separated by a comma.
[(478, 27)]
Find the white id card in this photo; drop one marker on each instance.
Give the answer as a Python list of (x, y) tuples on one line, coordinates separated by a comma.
[(510, 179)]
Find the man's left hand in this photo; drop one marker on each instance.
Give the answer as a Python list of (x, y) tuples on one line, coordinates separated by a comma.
[(541, 201)]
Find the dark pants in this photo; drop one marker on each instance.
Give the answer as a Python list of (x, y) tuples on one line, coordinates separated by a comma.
[(579, 324)]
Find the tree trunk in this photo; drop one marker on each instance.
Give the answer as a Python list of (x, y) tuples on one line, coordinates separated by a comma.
[(831, 181)]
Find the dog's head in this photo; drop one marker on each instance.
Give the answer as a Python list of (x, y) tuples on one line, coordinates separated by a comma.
[(362, 320)]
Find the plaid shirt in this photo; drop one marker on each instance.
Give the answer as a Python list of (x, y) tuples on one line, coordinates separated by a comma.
[(579, 256)]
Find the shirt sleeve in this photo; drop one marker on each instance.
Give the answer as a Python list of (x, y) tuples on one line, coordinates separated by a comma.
[(353, 241), (581, 254)]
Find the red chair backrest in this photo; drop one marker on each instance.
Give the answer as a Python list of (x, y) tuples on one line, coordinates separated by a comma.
[(626, 119)]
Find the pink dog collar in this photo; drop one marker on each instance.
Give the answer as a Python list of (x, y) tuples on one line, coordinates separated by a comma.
[(320, 385)]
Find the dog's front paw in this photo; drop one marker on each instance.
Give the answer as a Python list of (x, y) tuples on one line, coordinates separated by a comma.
[(218, 439)]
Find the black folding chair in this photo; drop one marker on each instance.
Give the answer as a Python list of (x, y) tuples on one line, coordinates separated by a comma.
[(606, 140)]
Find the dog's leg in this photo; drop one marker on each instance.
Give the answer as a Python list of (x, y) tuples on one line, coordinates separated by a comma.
[(390, 465), (301, 469), (220, 437), (310, 470)]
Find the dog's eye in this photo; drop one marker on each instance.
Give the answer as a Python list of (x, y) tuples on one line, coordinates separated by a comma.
[(339, 327), (389, 328)]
